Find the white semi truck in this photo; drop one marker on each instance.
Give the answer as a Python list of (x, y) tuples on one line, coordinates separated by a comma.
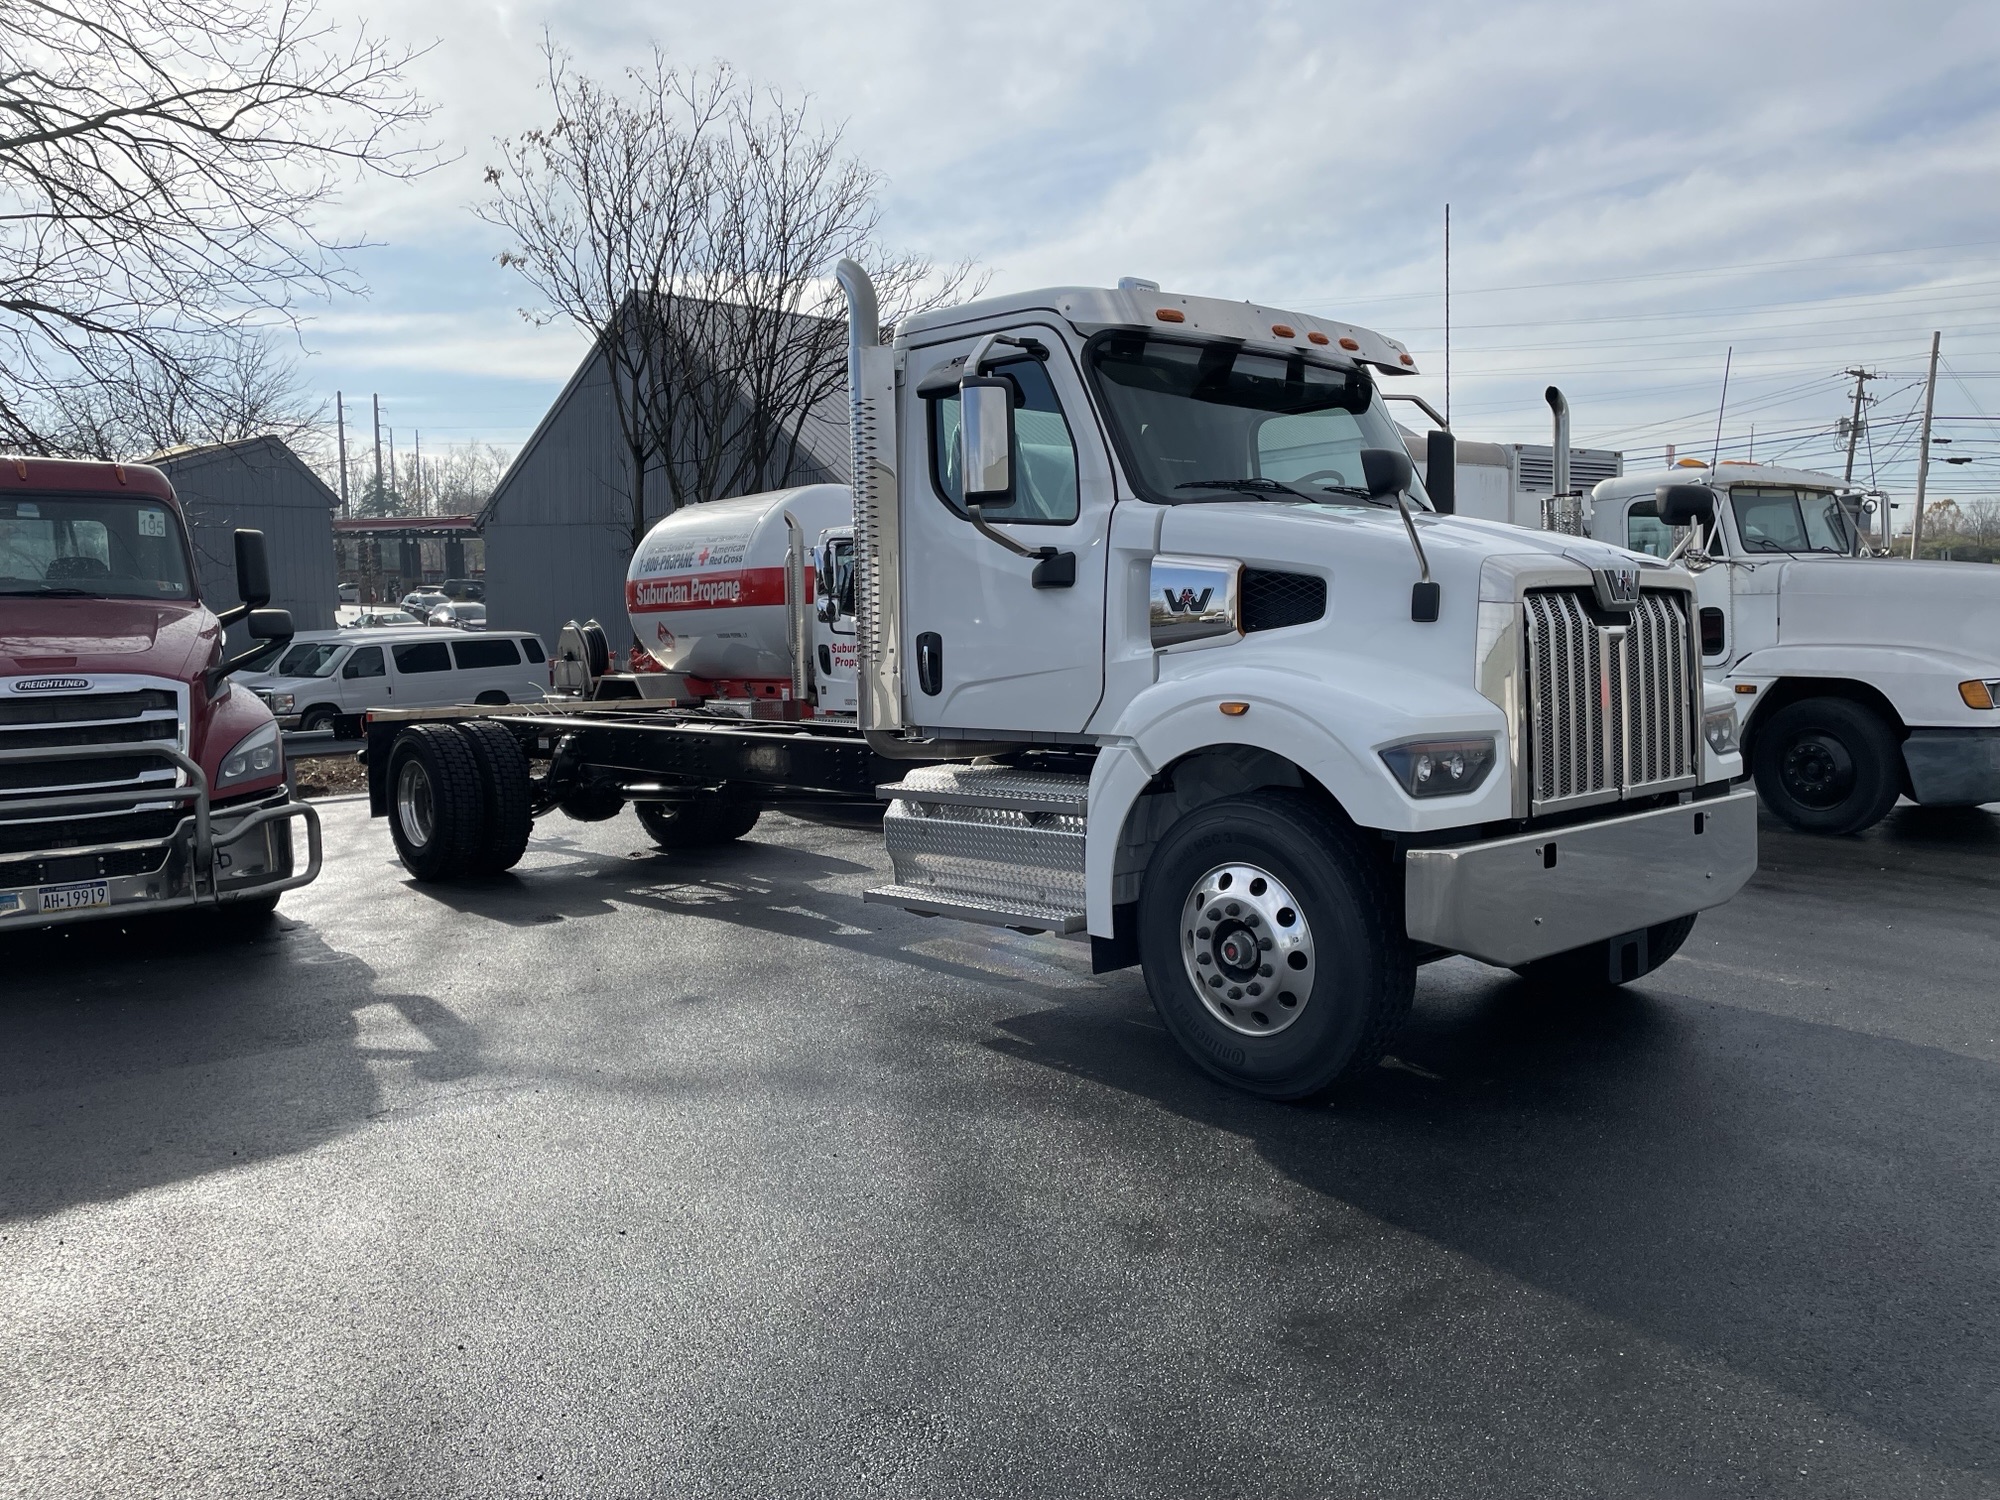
[(1159, 640), (1859, 677)]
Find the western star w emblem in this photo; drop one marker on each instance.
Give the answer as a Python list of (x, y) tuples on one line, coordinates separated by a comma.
[(1187, 601), (1617, 588), (52, 685)]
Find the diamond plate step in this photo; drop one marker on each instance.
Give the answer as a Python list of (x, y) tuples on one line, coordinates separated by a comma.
[(988, 844), (928, 902)]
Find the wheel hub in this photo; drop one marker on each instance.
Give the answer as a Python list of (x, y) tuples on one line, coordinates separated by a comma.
[(414, 806), (1248, 949), (1817, 770)]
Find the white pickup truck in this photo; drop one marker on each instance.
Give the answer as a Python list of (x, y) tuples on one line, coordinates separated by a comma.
[(1861, 678)]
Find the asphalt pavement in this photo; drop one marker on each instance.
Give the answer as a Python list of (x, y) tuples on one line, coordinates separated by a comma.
[(633, 1174)]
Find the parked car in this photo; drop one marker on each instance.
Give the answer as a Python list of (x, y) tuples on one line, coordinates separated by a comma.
[(471, 589), (465, 616), (350, 593), (420, 602), (379, 618), (336, 682)]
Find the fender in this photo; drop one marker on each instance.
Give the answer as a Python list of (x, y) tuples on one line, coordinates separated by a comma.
[(1329, 726), (1920, 684)]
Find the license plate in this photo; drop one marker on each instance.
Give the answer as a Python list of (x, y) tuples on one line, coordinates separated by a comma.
[(75, 897)]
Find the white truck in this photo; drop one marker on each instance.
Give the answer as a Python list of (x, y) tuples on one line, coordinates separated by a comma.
[(1860, 677), (1160, 641)]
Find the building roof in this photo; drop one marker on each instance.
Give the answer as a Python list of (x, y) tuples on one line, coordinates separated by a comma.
[(188, 455)]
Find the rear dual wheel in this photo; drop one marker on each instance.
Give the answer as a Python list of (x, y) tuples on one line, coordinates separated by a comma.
[(458, 799)]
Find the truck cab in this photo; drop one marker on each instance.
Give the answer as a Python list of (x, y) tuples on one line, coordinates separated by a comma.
[(134, 775), (1859, 678), (1200, 671)]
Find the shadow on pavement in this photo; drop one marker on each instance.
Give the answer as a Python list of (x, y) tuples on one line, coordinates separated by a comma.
[(139, 1055), (1806, 1205)]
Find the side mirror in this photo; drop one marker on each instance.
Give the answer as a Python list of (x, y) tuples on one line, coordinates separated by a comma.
[(269, 624), (253, 571), (1441, 471), (1388, 472), (986, 440), (1685, 504)]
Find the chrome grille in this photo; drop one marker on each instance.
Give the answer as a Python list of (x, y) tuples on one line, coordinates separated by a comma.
[(1610, 698), (71, 721)]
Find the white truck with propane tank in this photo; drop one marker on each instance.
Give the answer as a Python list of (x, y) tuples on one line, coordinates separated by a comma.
[(1160, 640)]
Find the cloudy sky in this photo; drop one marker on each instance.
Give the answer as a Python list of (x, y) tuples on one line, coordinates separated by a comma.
[(1635, 190)]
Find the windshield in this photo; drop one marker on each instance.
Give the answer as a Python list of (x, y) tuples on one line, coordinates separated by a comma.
[(95, 546), (1771, 519), (313, 659), (1194, 421)]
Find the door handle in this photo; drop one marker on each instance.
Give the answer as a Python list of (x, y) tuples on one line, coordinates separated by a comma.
[(930, 663)]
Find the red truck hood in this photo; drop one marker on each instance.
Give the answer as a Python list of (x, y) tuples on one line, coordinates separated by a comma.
[(105, 635)]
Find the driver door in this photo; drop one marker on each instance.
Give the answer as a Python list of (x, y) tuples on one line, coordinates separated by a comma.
[(984, 648)]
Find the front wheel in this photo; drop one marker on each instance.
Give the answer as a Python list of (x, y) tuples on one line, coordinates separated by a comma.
[(317, 719), (1273, 944), (1827, 765)]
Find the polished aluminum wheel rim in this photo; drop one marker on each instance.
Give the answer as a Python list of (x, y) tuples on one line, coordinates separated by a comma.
[(1248, 949), (414, 807)]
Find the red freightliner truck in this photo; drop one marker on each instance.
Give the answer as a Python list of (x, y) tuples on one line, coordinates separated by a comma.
[(134, 777)]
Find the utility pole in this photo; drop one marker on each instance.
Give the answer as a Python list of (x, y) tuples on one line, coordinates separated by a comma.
[(1855, 427), (1447, 317), (1924, 458), (378, 448), (417, 472), (340, 422)]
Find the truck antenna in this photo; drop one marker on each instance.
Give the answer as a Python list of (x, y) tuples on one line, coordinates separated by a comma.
[(1447, 317), (1720, 407)]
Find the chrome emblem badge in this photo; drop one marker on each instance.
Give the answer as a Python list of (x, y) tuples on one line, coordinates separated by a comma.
[(1617, 588)]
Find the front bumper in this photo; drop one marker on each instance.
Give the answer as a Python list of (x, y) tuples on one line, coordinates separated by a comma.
[(212, 856), (1953, 767), (1513, 900)]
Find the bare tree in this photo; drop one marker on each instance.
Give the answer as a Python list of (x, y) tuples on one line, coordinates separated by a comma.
[(161, 166), (689, 225), (229, 386)]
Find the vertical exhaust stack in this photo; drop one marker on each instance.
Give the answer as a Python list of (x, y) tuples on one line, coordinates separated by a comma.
[(871, 414), (1563, 509)]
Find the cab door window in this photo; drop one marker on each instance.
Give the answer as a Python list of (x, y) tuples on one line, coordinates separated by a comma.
[(1045, 490), (1646, 532), (365, 662)]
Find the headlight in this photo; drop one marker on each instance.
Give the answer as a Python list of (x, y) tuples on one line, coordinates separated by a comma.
[(257, 755), (282, 703), (1718, 727), (1980, 694), (1440, 768)]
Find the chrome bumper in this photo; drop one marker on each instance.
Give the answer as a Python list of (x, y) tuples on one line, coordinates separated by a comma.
[(1514, 900), (209, 859)]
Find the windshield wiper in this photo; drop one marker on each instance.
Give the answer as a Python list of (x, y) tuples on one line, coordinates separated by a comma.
[(45, 592), (1260, 486)]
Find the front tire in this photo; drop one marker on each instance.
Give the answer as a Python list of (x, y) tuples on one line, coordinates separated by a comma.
[(317, 719), (1273, 945), (701, 824), (1827, 765)]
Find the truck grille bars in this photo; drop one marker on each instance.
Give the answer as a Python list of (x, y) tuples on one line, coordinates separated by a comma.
[(143, 718), (1610, 699)]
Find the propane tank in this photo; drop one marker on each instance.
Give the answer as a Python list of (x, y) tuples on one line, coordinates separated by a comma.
[(706, 589)]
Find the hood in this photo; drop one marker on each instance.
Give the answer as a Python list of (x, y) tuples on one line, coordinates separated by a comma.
[(132, 636), (1887, 601)]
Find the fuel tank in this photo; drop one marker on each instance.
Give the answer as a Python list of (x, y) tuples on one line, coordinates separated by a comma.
[(706, 589)]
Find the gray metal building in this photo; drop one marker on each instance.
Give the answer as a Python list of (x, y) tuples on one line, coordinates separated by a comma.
[(260, 484), (557, 528)]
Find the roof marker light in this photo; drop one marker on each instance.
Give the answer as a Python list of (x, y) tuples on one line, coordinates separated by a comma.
[(1284, 330), (1318, 338), (1347, 343), (1407, 360), (1171, 315)]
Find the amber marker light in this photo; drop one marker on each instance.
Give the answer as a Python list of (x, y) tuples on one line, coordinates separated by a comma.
[(1235, 710), (1407, 360), (1746, 688), (1171, 315), (1979, 694), (1317, 337), (1284, 331), (1347, 343)]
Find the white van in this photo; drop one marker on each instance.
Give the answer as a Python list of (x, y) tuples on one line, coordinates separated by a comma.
[(331, 683)]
